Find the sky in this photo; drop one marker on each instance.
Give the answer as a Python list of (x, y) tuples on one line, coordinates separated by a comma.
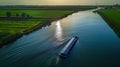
[(58, 2)]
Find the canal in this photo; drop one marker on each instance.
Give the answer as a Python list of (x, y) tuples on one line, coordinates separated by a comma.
[(98, 44)]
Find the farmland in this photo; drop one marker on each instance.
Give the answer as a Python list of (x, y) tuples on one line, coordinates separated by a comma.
[(37, 13), (9, 28), (112, 16), (16, 21)]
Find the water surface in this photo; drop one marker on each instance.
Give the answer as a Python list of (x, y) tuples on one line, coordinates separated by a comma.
[(98, 44)]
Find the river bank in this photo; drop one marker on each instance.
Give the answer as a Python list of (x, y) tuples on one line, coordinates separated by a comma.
[(111, 17), (43, 16), (14, 37)]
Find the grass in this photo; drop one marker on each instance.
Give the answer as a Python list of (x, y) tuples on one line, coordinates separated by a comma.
[(37, 13), (11, 28), (112, 16), (8, 28)]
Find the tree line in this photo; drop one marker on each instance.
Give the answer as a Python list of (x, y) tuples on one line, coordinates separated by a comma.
[(22, 15)]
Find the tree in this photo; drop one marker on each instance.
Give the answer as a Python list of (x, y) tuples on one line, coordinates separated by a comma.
[(31, 16), (8, 14), (28, 16), (23, 15), (17, 15)]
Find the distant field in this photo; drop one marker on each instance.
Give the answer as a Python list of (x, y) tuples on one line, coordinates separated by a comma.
[(37, 13), (75, 8), (113, 18)]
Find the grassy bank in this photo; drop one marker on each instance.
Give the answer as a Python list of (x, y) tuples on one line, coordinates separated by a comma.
[(11, 30), (112, 17), (15, 25)]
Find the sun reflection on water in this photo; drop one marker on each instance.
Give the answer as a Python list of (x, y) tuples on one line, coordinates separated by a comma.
[(59, 33)]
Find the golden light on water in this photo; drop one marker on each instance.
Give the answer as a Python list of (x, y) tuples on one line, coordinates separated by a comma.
[(59, 37), (59, 32)]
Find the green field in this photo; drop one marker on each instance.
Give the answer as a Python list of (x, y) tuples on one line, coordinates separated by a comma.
[(39, 16), (8, 28), (112, 16), (37, 13), (11, 28)]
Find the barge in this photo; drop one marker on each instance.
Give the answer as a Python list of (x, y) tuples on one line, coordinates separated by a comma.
[(66, 50)]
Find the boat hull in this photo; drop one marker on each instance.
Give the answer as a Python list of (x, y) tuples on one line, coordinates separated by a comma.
[(66, 50)]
